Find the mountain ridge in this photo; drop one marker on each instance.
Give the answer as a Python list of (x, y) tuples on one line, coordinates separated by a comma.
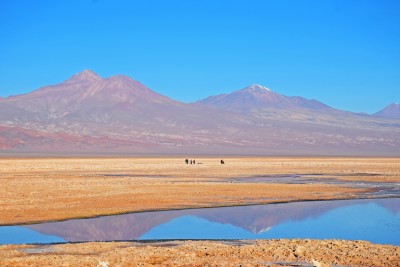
[(128, 116), (390, 111), (257, 96), (88, 75)]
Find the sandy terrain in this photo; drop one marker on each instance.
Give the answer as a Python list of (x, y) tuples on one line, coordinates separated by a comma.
[(205, 253), (34, 190)]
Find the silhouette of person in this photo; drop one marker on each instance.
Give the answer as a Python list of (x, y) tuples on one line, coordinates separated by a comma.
[(186, 161), (194, 161), (222, 161)]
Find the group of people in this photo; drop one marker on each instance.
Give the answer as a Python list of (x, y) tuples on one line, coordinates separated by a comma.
[(193, 161)]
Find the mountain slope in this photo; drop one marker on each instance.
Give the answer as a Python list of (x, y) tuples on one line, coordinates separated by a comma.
[(86, 91), (260, 97), (391, 111), (117, 107), (118, 114)]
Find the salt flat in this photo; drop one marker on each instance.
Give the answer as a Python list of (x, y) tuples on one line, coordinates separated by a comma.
[(50, 189), (44, 189)]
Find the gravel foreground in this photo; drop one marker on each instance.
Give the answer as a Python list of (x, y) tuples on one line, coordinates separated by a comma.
[(279, 252)]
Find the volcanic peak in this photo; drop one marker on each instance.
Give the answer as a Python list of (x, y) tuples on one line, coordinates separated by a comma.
[(84, 76), (391, 111), (256, 87)]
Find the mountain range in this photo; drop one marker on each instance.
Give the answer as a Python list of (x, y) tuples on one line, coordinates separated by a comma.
[(90, 114)]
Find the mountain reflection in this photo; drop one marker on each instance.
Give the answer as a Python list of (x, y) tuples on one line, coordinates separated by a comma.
[(254, 219)]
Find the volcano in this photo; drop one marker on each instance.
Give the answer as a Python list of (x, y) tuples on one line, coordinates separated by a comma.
[(90, 114)]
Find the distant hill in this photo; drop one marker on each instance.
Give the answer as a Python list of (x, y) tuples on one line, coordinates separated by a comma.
[(391, 111), (90, 114), (260, 97)]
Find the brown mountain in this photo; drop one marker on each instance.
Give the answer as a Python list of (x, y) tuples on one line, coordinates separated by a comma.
[(117, 114), (84, 97), (391, 111), (260, 97), (117, 108)]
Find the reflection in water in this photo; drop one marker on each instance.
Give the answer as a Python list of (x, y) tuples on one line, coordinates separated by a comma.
[(375, 220), (22, 235)]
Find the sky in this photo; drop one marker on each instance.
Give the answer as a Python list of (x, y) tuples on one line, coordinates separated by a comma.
[(345, 53)]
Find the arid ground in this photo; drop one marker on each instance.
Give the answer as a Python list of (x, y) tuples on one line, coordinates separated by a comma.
[(35, 190)]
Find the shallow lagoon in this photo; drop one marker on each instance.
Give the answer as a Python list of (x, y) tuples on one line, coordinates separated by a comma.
[(374, 220)]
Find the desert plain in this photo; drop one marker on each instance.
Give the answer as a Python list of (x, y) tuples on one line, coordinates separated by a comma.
[(52, 189)]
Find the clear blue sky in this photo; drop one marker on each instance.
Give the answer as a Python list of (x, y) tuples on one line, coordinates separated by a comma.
[(345, 53)]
